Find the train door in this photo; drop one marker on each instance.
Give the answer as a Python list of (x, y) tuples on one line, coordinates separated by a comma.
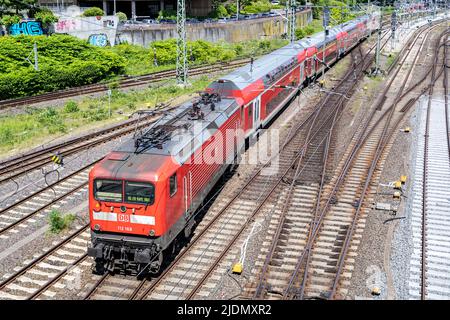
[(257, 107), (302, 72), (313, 65), (187, 191), (249, 117)]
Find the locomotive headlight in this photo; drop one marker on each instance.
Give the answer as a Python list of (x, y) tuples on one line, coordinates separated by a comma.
[(97, 206), (97, 227), (151, 233)]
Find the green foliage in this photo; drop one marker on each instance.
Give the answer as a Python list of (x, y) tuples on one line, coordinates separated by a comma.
[(220, 12), (93, 12), (257, 7), (46, 17), (308, 30), (122, 16), (58, 222), (51, 119), (8, 20), (231, 8), (64, 61), (16, 6), (71, 107), (18, 131), (167, 14)]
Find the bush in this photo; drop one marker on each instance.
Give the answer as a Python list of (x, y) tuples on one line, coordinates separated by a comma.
[(58, 222), (167, 14), (51, 119), (220, 12), (71, 107), (93, 12), (258, 7), (122, 16), (8, 20), (64, 61), (46, 17)]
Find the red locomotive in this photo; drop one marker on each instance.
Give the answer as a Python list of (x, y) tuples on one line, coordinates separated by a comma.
[(144, 194)]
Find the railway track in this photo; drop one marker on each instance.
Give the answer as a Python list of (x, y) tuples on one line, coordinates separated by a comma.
[(429, 266), (204, 246), (194, 255), (123, 83), (324, 267), (19, 215), (13, 168), (212, 250), (35, 277), (287, 234)]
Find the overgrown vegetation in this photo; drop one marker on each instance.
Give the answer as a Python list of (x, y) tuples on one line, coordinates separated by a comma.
[(38, 125), (64, 61), (58, 222)]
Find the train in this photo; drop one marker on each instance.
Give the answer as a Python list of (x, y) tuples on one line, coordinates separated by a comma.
[(144, 195)]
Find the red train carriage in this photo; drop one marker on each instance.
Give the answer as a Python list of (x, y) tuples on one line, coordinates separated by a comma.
[(144, 194)]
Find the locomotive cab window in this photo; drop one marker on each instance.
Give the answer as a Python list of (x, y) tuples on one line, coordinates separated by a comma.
[(173, 185), (108, 190), (139, 192)]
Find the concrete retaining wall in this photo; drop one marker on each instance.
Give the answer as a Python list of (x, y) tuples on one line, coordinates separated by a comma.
[(263, 28)]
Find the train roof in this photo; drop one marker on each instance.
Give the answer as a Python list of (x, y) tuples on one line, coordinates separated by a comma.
[(178, 134), (248, 74), (264, 66)]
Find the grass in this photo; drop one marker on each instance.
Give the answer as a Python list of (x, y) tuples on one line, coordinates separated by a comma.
[(58, 222), (390, 59), (36, 126)]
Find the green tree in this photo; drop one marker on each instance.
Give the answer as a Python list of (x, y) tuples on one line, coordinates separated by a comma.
[(16, 5), (8, 20), (122, 16), (46, 17), (93, 12)]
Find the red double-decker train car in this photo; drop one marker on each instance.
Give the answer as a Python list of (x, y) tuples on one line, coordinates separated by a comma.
[(144, 194)]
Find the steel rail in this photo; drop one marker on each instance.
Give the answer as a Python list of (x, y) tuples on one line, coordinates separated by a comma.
[(385, 136), (423, 280), (361, 140), (339, 103), (40, 258)]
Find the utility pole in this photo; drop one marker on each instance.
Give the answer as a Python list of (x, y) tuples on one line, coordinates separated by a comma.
[(292, 19), (36, 58), (182, 67), (36, 64), (377, 56), (393, 28), (326, 21), (237, 10)]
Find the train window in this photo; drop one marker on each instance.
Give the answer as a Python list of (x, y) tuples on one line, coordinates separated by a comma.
[(108, 190), (139, 192), (173, 184)]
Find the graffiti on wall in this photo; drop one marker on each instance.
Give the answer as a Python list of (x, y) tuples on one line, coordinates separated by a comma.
[(31, 28), (99, 31), (99, 40)]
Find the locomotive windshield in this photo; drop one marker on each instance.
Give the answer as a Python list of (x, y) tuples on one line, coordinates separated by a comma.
[(108, 190), (113, 191), (139, 192)]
